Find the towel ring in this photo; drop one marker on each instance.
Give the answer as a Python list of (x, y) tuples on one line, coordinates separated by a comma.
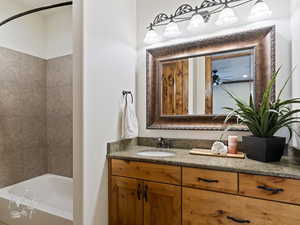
[(126, 93)]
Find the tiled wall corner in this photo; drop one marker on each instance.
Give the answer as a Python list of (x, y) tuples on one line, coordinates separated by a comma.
[(23, 152), (60, 116), (35, 116)]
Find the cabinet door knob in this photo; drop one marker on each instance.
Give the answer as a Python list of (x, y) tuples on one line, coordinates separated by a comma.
[(273, 190), (237, 220), (207, 180), (138, 192), (146, 193)]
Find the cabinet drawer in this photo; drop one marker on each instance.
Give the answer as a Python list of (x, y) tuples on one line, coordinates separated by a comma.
[(147, 171), (273, 188), (205, 207), (210, 179)]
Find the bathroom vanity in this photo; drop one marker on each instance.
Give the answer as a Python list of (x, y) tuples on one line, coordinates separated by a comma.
[(185, 91), (198, 190)]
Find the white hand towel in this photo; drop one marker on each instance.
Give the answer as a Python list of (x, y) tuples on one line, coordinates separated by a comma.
[(129, 120)]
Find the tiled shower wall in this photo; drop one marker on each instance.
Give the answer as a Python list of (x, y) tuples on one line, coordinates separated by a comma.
[(23, 150), (59, 116), (26, 116)]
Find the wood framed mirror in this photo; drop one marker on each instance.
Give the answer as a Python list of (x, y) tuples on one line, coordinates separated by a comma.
[(186, 82)]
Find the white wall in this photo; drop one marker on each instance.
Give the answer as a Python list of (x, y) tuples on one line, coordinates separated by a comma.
[(146, 12), (196, 87), (109, 33), (295, 25), (59, 33), (221, 99), (45, 35), (26, 34)]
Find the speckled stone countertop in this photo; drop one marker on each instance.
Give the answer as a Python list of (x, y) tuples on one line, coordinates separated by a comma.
[(289, 167)]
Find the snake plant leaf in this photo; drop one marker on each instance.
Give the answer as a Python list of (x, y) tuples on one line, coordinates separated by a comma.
[(266, 118)]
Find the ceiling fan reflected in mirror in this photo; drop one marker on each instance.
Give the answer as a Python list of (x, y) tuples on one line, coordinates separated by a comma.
[(218, 80)]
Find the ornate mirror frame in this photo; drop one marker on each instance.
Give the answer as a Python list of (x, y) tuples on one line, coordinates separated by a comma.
[(261, 40)]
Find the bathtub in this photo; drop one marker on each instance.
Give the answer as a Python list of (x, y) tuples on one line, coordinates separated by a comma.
[(53, 201)]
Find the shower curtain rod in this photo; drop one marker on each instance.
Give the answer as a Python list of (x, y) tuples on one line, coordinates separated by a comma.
[(34, 11)]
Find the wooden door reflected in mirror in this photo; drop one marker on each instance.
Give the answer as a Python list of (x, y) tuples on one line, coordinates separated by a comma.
[(175, 87), (197, 85)]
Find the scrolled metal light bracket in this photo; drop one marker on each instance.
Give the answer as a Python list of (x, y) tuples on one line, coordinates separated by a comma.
[(206, 10)]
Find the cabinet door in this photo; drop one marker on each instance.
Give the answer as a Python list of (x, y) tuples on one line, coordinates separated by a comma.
[(162, 204), (126, 202), (206, 207)]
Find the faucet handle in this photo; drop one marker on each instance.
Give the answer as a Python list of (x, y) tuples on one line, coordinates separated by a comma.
[(163, 143), (160, 142)]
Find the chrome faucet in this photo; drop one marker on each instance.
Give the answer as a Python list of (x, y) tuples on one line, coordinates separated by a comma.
[(163, 143)]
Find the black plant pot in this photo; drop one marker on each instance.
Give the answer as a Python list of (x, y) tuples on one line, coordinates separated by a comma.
[(264, 149)]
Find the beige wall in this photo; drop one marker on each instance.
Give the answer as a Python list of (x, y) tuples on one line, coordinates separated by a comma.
[(60, 116), (23, 152), (146, 12), (35, 116)]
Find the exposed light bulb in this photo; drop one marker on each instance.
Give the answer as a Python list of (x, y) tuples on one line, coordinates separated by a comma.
[(152, 37), (227, 17), (172, 30), (260, 11), (196, 23)]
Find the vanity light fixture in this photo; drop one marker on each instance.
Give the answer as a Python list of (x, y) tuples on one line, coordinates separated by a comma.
[(227, 17), (260, 11), (152, 37), (172, 30), (200, 15), (197, 22)]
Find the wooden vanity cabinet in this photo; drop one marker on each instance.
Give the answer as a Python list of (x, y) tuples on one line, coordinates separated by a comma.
[(136, 201), (154, 194)]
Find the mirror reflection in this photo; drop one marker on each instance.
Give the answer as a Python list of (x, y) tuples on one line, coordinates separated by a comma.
[(196, 85)]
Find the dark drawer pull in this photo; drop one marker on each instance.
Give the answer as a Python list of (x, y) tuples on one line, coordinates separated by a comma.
[(146, 193), (237, 220), (207, 180), (139, 192), (273, 190)]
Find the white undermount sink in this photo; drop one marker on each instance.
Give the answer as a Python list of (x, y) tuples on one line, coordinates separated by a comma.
[(153, 153)]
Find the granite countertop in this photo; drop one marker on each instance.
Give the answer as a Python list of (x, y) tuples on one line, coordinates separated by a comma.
[(289, 167)]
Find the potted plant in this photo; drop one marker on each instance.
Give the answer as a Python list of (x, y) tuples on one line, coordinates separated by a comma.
[(263, 121)]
